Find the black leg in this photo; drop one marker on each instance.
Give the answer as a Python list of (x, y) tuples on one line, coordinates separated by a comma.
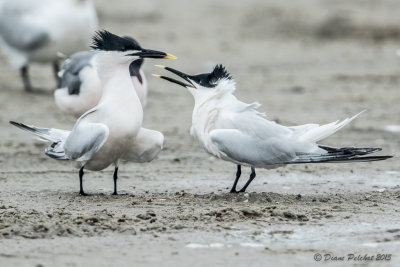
[(25, 78), (115, 180), (238, 173), (251, 178), (80, 182), (56, 69)]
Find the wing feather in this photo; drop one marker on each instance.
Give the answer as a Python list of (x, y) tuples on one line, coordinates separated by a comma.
[(85, 140), (242, 148)]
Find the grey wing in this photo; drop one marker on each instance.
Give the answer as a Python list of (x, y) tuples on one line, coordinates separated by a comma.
[(70, 72), (19, 34), (85, 140), (251, 150), (251, 123)]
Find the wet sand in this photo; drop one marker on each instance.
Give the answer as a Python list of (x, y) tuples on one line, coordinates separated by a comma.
[(312, 61)]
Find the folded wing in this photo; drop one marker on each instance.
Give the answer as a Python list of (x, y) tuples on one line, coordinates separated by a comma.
[(242, 148), (85, 140)]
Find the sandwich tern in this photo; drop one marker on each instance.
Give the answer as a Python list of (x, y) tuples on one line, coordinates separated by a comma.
[(34, 31), (235, 131), (111, 131), (80, 84)]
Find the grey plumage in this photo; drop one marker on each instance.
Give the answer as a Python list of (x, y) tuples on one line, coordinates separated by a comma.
[(70, 71), (19, 34), (34, 31), (64, 144), (57, 137)]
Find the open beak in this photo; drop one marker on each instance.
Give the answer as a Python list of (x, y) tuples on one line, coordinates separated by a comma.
[(146, 53), (177, 72)]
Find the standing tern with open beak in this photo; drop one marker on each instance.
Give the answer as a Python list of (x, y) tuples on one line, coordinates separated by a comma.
[(111, 131), (235, 131)]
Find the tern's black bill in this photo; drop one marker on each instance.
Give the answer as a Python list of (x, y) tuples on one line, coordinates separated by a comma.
[(146, 53), (180, 74), (175, 81)]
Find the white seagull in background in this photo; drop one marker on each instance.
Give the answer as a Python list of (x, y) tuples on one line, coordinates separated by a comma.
[(34, 31), (111, 131), (81, 87), (235, 131)]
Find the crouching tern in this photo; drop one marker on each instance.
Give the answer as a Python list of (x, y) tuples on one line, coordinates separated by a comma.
[(34, 31), (235, 131), (111, 131), (81, 87)]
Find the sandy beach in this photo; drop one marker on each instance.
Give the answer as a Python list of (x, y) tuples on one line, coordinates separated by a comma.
[(305, 62)]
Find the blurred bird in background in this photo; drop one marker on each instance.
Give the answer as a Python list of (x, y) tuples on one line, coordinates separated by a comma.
[(34, 31), (80, 84), (235, 131)]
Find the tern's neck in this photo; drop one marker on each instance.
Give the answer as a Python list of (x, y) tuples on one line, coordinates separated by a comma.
[(119, 99), (111, 69), (221, 93), (115, 79), (207, 100), (206, 111)]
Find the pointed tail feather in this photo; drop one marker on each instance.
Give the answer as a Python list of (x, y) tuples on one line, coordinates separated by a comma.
[(52, 135), (43, 133), (56, 136), (316, 134)]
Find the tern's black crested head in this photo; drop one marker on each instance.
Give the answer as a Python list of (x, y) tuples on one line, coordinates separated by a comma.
[(211, 79), (107, 41), (219, 73), (132, 40)]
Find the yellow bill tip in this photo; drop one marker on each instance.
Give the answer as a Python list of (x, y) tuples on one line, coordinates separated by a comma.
[(160, 66), (169, 56), (156, 75)]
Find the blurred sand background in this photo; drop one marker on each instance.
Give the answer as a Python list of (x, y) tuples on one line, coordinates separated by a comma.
[(305, 61)]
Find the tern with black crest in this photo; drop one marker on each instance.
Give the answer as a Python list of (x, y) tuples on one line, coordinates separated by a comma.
[(235, 131), (112, 130)]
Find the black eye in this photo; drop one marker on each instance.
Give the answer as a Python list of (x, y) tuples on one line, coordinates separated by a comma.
[(210, 81)]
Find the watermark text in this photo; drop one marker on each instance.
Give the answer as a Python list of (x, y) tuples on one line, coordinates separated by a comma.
[(329, 257)]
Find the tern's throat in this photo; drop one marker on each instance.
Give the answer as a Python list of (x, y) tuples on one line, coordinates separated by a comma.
[(206, 112), (113, 71), (118, 91), (207, 100), (110, 63), (222, 91)]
